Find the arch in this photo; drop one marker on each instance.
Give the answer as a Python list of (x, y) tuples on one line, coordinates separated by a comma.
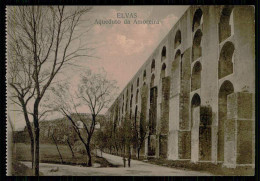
[(196, 76), (225, 89), (197, 38), (195, 121), (175, 69), (177, 40), (176, 61), (163, 70), (126, 105), (132, 89), (205, 132), (144, 75), (195, 101), (136, 108), (119, 110), (144, 84), (196, 46), (177, 54), (197, 19), (152, 119), (137, 82), (153, 110), (164, 106), (226, 26), (153, 66), (226, 60), (152, 81), (131, 100), (136, 96), (163, 55)]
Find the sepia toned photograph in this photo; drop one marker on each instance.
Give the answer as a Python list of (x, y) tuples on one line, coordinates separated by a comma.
[(130, 90)]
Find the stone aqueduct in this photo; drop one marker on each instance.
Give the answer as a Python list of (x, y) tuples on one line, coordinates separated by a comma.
[(197, 89)]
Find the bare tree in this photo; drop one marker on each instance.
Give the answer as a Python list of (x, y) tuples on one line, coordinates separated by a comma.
[(66, 138), (54, 140), (100, 140), (105, 138), (120, 134), (127, 127), (140, 132), (20, 80), (41, 40), (95, 92), (10, 145)]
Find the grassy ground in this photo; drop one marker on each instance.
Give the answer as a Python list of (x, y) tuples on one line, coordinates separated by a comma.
[(201, 166), (19, 169), (49, 154), (208, 167)]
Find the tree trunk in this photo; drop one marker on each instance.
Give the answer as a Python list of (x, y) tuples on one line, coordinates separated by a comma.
[(129, 156), (36, 151), (36, 138), (89, 155), (138, 153), (116, 148), (57, 148), (29, 128), (70, 148), (32, 151), (124, 159), (129, 160)]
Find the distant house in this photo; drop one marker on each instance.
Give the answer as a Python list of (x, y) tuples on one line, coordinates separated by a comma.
[(63, 126), (60, 127)]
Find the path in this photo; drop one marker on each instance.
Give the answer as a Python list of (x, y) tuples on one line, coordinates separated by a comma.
[(138, 168), (147, 169)]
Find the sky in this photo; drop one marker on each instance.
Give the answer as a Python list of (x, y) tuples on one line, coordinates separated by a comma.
[(124, 48), (119, 49)]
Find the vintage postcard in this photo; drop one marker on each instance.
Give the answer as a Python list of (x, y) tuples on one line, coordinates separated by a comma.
[(130, 90)]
